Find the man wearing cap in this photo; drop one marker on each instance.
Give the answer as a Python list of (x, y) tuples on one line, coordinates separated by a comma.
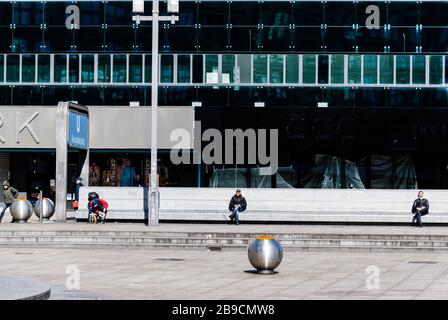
[(237, 204)]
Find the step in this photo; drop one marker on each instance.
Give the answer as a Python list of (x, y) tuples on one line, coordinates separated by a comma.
[(219, 241), (226, 248)]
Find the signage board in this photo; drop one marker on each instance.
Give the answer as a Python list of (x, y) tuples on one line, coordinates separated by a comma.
[(78, 130)]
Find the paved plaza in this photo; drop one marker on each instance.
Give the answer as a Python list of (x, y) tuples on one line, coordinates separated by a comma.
[(180, 274)]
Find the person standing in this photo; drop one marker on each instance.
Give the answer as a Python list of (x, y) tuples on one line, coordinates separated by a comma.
[(420, 208), (78, 185), (237, 204), (9, 195)]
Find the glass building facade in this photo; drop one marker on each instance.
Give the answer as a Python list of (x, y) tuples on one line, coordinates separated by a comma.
[(384, 89)]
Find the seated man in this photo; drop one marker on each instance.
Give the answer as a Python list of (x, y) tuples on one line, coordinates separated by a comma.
[(237, 204), (97, 209), (420, 208)]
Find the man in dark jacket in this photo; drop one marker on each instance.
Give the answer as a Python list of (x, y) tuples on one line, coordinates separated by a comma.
[(420, 207), (9, 195), (237, 204)]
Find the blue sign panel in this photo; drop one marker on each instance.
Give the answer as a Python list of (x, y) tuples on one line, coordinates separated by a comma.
[(78, 130)]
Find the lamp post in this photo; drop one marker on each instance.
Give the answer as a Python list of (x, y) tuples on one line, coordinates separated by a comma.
[(138, 9)]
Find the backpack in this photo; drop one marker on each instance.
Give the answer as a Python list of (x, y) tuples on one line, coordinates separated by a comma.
[(97, 205)]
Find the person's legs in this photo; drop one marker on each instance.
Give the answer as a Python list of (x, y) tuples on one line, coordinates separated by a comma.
[(234, 213), (419, 219), (237, 218), (2, 213)]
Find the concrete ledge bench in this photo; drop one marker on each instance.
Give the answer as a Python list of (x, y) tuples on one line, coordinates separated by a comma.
[(276, 205)]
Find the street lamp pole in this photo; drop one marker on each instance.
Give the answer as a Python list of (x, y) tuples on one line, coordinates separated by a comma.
[(138, 8), (154, 190)]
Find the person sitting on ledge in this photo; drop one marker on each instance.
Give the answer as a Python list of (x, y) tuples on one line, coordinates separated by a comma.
[(420, 208), (237, 204)]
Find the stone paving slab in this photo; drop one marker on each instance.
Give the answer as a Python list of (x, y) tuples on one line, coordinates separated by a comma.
[(153, 274), (15, 288)]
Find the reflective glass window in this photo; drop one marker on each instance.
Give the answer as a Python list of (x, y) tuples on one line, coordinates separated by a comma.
[(323, 68), (370, 69), (104, 68), (12, 68), (228, 68), (260, 68), (183, 69), (2, 66), (211, 68), (60, 68), (148, 68), (28, 68), (337, 68), (135, 68), (418, 69), (166, 69), (309, 69), (435, 70), (87, 71), (243, 69), (386, 69), (119, 68), (403, 69), (43, 68), (354, 69), (198, 69), (276, 68), (73, 68), (292, 68)]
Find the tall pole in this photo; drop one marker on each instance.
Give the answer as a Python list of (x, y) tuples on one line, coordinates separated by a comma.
[(153, 199)]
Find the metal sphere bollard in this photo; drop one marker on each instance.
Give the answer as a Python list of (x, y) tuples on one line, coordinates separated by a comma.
[(21, 210), (265, 254), (48, 206)]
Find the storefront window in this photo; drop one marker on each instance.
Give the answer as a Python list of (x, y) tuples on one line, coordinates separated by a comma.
[(148, 68), (211, 68)]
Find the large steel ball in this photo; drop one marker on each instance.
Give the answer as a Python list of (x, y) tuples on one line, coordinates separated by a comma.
[(21, 210), (48, 206), (265, 254)]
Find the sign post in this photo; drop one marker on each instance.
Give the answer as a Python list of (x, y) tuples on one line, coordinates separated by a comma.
[(72, 130)]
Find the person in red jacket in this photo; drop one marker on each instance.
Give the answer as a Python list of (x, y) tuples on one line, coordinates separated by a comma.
[(98, 207)]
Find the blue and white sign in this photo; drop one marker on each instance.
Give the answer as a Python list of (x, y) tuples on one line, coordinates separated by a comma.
[(78, 130)]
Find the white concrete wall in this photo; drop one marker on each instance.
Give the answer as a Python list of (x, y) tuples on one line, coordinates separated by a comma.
[(330, 205)]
